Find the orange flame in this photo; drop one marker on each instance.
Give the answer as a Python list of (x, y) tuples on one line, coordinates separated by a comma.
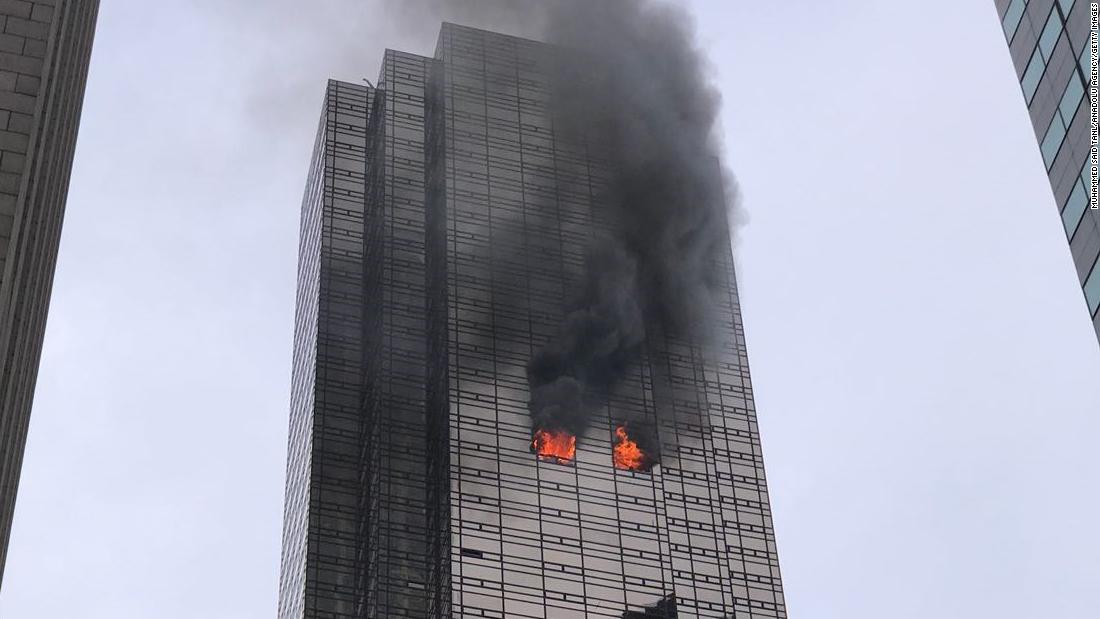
[(554, 445), (627, 454)]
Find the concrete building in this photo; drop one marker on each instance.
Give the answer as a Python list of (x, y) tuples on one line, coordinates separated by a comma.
[(45, 46), (445, 223), (1049, 44)]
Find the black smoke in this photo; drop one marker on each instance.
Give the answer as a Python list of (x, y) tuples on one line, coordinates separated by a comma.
[(596, 343), (633, 85), (630, 84)]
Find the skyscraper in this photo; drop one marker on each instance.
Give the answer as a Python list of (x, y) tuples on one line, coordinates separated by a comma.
[(1049, 44), (445, 227), (45, 46)]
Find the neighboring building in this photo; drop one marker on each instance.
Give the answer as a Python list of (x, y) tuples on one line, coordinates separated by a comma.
[(443, 226), (45, 46), (1048, 41)]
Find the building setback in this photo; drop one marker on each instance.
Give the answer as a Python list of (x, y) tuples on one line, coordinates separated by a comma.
[(45, 46), (1048, 41), (444, 226)]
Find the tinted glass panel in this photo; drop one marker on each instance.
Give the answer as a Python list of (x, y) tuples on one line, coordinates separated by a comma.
[(1071, 98), (1032, 76), (1012, 17), (1092, 290), (1050, 34), (1075, 209), (1053, 140)]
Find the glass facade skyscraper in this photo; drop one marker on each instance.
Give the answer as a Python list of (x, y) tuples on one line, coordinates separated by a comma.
[(445, 222), (45, 46), (1049, 44)]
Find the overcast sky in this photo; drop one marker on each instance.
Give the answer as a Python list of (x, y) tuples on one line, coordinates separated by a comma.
[(927, 379)]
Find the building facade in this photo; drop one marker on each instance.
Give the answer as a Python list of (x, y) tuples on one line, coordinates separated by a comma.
[(444, 226), (45, 46), (1049, 44)]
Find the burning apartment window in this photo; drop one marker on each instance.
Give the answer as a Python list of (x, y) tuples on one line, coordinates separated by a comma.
[(554, 446), (634, 448)]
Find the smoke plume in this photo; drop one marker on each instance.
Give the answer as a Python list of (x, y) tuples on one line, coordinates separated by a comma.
[(634, 84), (630, 83)]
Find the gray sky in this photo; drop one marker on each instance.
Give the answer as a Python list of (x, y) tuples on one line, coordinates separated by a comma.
[(925, 371)]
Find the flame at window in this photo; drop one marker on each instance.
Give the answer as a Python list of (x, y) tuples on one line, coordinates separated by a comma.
[(554, 446), (628, 455)]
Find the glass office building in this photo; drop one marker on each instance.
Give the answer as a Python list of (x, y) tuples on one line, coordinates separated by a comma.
[(1049, 44), (444, 225), (45, 47)]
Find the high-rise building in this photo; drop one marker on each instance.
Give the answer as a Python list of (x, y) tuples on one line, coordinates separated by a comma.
[(444, 225), (45, 46), (1049, 44)]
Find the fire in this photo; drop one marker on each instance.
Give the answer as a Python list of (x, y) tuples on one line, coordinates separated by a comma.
[(627, 454), (554, 445)]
